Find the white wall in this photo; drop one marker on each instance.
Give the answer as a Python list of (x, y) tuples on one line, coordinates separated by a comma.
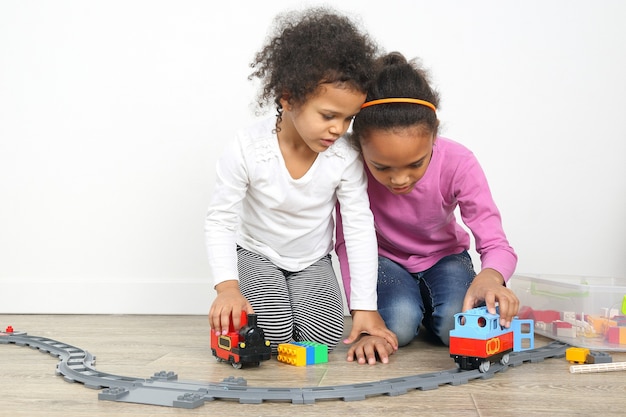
[(112, 114)]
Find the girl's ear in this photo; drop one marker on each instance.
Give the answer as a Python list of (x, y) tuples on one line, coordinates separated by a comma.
[(284, 101)]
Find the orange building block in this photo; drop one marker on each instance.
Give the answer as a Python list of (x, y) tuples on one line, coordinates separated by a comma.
[(292, 354), (576, 355)]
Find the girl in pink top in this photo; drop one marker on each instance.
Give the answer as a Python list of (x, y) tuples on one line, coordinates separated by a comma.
[(416, 180)]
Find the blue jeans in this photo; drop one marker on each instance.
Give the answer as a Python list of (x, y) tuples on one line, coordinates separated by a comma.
[(430, 298)]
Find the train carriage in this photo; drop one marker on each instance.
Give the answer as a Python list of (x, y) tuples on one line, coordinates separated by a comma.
[(478, 339)]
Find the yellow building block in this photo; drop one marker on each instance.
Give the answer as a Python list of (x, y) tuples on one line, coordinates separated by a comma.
[(292, 354), (576, 355)]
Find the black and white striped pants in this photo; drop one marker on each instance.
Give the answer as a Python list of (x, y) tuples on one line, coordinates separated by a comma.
[(293, 306)]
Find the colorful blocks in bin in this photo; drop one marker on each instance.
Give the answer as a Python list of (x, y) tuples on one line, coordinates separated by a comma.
[(302, 353)]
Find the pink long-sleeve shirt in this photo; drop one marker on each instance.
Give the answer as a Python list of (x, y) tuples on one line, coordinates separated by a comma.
[(416, 230)]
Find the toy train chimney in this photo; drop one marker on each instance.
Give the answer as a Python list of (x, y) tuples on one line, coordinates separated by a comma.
[(251, 320)]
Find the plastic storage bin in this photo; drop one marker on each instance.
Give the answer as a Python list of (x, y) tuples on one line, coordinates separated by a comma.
[(581, 311)]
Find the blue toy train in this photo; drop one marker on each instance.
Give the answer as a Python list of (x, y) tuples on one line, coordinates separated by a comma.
[(478, 339)]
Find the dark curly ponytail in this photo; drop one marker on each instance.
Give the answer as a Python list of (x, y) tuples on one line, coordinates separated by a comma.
[(397, 77)]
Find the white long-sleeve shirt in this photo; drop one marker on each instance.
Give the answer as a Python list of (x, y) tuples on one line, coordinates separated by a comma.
[(259, 206)]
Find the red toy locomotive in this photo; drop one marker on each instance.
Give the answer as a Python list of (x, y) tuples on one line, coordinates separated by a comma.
[(247, 346)]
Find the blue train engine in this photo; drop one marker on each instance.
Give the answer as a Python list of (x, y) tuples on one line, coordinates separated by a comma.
[(478, 339), (247, 346)]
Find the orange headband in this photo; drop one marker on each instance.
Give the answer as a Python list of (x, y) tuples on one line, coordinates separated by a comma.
[(399, 100)]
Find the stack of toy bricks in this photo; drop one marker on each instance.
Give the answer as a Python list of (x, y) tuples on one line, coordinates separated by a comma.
[(302, 353), (583, 355)]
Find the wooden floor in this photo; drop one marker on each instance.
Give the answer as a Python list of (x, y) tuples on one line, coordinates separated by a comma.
[(139, 346)]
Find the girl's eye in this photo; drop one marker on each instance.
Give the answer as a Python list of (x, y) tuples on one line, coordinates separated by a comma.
[(328, 116), (416, 165), (381, 169)]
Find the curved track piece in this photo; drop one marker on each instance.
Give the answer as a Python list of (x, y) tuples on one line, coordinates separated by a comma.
[(164, 388)]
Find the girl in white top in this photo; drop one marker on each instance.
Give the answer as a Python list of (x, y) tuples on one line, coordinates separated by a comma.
[(269, 228)]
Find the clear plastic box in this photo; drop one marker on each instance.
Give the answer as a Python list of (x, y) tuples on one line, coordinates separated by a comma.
[(581, 311)]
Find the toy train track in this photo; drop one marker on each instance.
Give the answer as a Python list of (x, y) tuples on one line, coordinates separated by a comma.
[(164, 388)]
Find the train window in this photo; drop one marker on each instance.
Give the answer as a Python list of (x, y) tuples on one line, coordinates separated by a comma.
[(224, 342), (482, 322), (525, 328), (461, 320)]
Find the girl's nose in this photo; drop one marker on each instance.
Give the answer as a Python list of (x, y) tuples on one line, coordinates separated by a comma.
[(399, 179), (339, 127)]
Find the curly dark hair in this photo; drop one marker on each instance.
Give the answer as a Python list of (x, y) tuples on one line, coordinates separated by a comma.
[(309, 48), (396, 77)]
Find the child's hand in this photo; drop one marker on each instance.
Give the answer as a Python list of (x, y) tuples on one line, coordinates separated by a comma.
[(370, 322), (488, 286), (229, 302), (368, 348)]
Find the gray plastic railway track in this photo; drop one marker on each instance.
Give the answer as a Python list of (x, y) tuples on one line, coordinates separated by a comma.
[(164, 388)]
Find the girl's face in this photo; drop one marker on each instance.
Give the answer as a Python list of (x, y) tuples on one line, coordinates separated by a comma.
[(323, 118), (398, 158)]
